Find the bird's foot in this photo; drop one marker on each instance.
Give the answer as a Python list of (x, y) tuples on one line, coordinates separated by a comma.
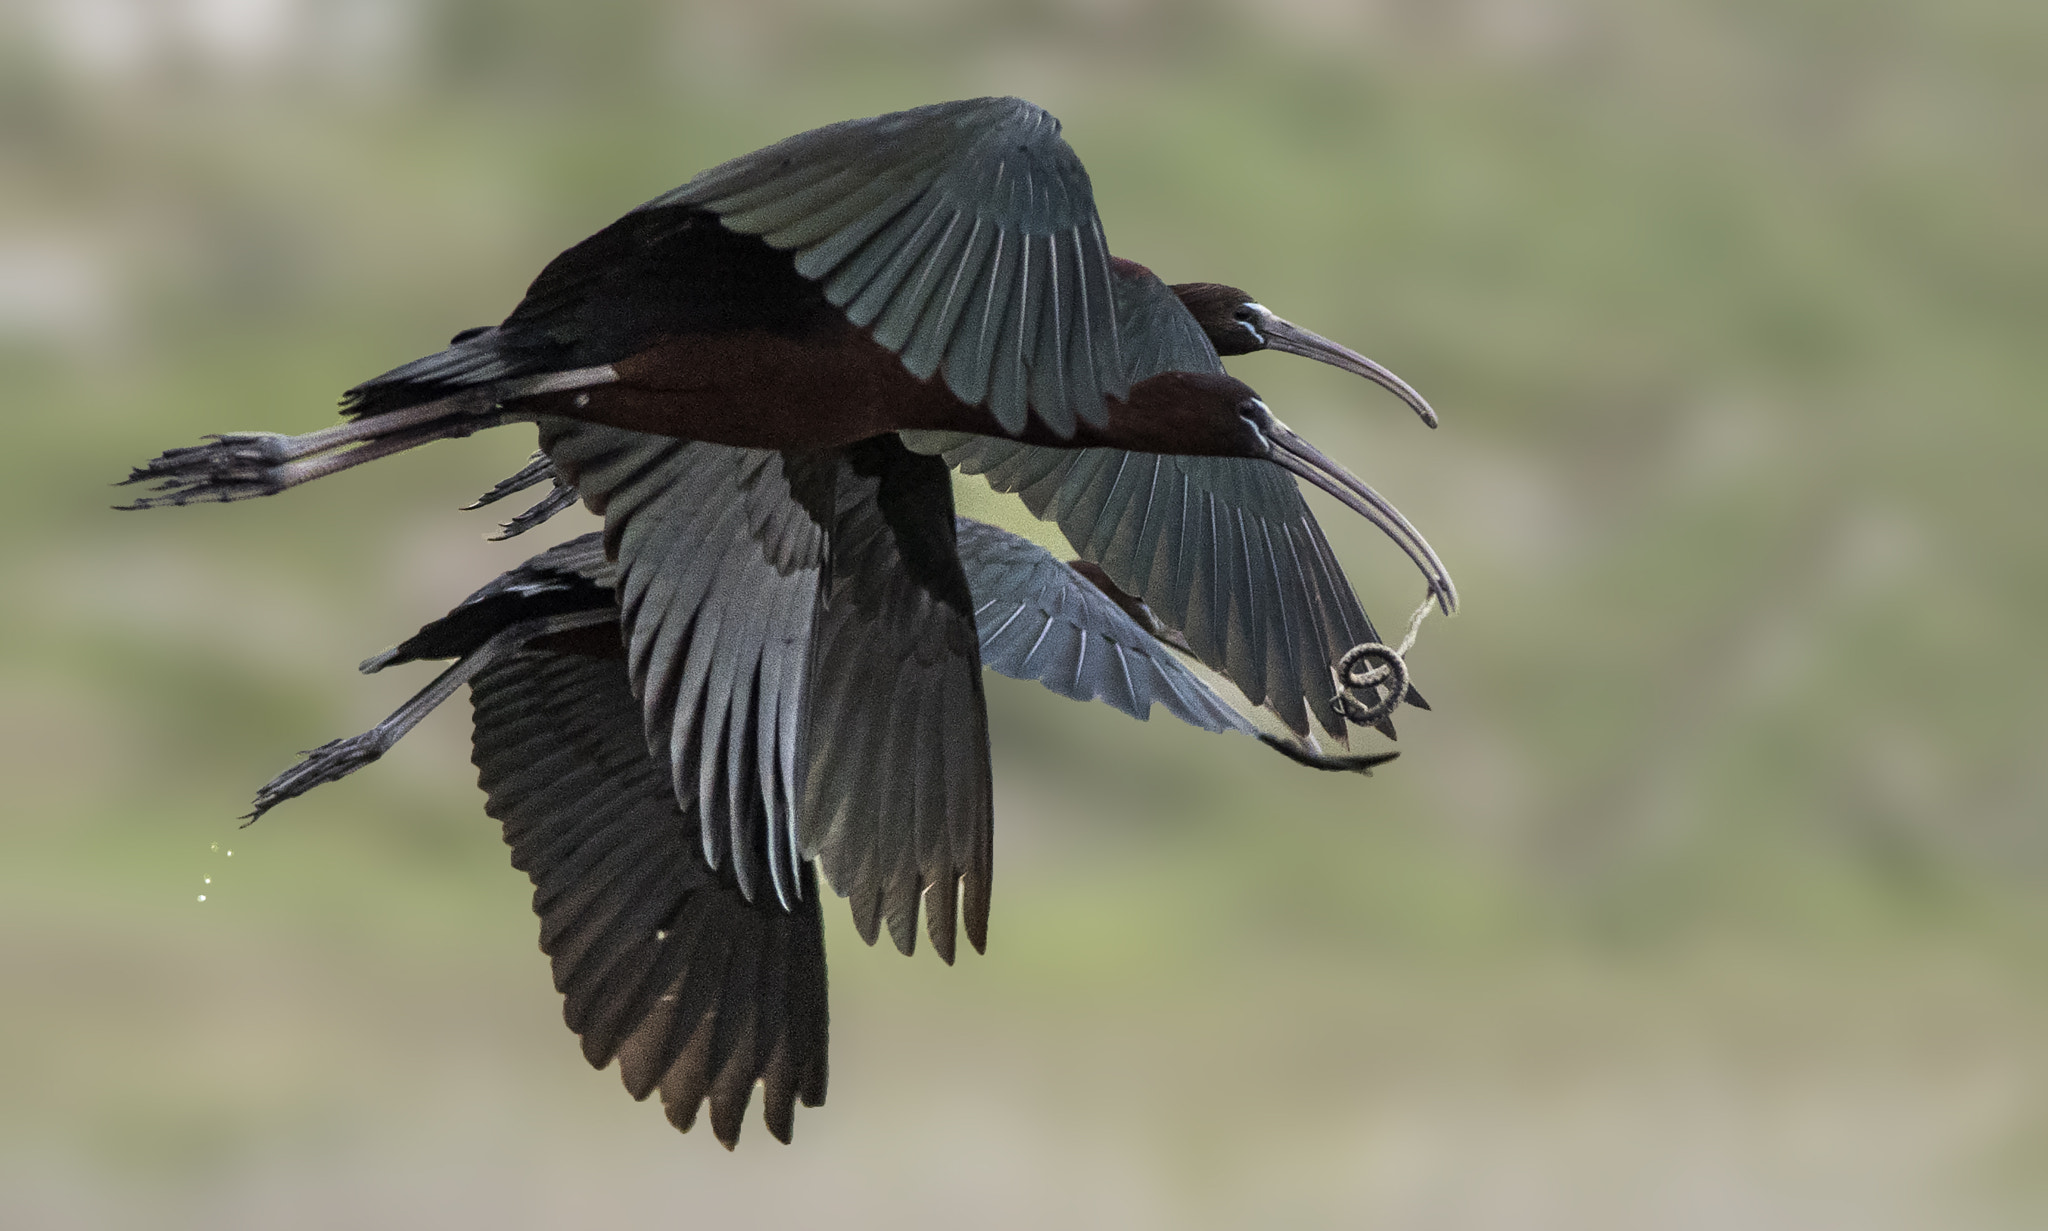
[(562, 497), (245, 465), (232, 466), (330, 762), (538, 469)]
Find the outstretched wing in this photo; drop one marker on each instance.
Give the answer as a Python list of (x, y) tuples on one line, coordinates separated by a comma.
[(897, 806), (964, 233), (697, 987), (721, 554), (1223, 549), (1040, 620), (802, 642)]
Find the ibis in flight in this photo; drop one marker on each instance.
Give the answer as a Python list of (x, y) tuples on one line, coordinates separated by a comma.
[(760, 382), (940, 273)]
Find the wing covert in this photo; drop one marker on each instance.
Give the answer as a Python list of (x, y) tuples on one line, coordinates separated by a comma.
[(1040, 620)]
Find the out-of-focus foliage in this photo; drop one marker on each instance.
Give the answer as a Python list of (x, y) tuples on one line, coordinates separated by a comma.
[(1710, 895)]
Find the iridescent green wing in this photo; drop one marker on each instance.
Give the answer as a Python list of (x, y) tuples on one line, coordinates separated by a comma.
[(963, 233)]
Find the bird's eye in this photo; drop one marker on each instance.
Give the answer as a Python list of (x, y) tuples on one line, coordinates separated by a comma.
[(1243, 313)]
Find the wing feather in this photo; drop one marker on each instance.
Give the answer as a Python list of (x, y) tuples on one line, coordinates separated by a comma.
[(1040, 620), (663, 971), (870, 208), (721, 556), (1203, 546), (1199, 539), (896, 805)]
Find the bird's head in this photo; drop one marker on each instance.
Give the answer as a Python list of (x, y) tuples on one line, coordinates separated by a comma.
[(1237, 324), (1220, 416)]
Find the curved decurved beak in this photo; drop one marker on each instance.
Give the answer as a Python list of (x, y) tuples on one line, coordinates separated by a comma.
[(1284, 335), (1292, 453)]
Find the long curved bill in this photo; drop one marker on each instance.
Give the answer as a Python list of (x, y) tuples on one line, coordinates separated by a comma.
[(1290, 451), (1284, 335)]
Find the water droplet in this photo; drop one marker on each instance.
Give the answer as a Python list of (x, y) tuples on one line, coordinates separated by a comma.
[(231, 854), (660, 934), (202, 897), (213, 846), (209, 880)]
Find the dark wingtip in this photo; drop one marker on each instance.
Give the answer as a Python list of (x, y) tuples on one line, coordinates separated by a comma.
[(729, 1113), (260, 807), (905, 940), (778, 1096), (867, 924), (562, 497), (974, 903)]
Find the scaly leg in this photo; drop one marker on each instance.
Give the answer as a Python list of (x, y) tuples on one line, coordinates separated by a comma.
[(337, 759), (244, 465)]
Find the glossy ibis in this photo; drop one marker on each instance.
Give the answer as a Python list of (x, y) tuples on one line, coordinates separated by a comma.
[(665, 960), (940, 272)]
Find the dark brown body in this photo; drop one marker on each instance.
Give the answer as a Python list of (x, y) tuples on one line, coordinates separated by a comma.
[(715, 336), (763, 388)]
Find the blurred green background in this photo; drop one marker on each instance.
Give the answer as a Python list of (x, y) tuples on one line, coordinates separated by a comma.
[(1711, 895)]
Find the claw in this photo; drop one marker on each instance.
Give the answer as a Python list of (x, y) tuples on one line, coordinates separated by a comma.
[(331, 761), (244, 465), (236, 466), (538, 469), (229, 451), (547, 506), (338, 758)]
